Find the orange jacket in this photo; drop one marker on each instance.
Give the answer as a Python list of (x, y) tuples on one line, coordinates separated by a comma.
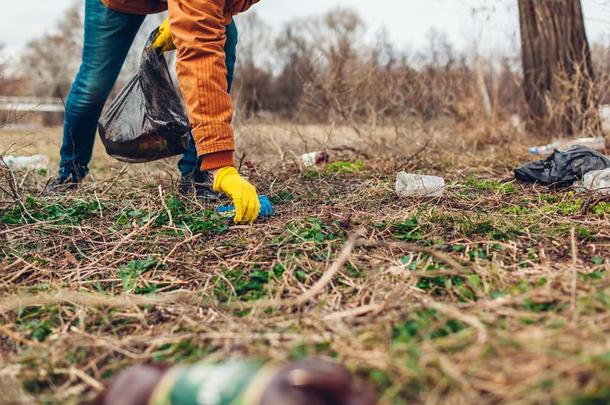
[(198, 30)]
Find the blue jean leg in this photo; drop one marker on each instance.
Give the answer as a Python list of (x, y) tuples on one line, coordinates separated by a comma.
[(108, 37), (189, 162)]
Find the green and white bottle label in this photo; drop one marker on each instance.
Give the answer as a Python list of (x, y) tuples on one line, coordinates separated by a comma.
[(232, 383)]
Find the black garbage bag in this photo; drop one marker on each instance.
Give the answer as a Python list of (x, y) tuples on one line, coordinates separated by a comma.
[(147, 120), (562, 169)]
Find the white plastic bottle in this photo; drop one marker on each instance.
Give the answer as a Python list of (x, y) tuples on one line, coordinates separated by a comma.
[(595, 143), (26, 162), (417, 185)]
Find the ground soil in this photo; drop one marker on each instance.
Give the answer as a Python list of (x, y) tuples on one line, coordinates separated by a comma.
[(497, 292)]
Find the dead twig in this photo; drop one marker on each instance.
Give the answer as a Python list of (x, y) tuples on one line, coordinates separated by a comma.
[(330, 273), (415, 248)]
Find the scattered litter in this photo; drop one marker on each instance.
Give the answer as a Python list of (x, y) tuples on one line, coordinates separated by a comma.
[(562, 169), (595, 143), (147, 120), (597, 180), (266, 211), (315, 158), (237, 381), (417, 185), (33, 162)]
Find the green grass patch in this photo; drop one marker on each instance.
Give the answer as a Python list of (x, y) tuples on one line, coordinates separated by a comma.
[(306, 351), (183, 216), (408, 230), (490, 185), (246, 285), (282, 197), (60, 212), (39, 321), (602, 208), (130, 274), (570, 207), (184, 351), (313, 230), (344, 167), (463, 287), (425, 324)]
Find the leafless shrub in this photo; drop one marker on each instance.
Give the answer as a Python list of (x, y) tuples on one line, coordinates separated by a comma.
[(567, 114), (328, 73), (49, 62), (600, 54)]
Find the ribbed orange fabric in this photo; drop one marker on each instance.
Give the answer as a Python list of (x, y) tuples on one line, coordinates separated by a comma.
[(198, 30), (217, 160)]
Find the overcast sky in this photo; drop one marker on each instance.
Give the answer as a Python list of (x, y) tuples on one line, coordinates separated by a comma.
[(407, 21)]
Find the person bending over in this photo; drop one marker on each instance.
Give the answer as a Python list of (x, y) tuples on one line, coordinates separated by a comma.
[(205, 38)]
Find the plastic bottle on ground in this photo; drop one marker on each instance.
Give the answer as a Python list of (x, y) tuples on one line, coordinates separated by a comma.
[(26, 162), (417, 185), (266, 211), (595, 143), (597, 180)]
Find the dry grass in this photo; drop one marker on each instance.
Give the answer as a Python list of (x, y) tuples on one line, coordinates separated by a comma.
[(496, 293)]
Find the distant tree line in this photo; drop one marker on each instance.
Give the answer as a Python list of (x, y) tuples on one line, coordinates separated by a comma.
[(321, 69)]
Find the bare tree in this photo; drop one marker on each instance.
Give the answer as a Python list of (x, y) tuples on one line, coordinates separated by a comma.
[(49, 62), (252, 87), (2, 69), (558, 74)]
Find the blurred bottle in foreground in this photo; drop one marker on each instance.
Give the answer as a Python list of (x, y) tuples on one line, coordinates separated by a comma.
[(595, 143), (237, 383)]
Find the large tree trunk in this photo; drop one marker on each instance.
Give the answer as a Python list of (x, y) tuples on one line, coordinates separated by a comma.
[(558, 74)]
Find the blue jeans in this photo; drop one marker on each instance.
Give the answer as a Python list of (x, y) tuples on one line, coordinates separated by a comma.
[(108, 37)]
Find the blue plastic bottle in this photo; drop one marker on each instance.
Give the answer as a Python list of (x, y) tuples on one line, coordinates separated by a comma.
[(265, 212)]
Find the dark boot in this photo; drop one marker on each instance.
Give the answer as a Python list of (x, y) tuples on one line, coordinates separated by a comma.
[(71, 173), (199, 184), (59, 186)]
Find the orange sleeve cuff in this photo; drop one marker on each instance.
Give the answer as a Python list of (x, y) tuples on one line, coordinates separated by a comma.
[(217, 160)]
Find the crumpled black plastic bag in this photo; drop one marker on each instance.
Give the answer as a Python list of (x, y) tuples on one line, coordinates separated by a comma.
[(562, 169), (147, 120)]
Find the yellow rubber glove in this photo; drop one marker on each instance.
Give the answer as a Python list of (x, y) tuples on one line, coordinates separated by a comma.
[(164, 41), (243, 194)]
